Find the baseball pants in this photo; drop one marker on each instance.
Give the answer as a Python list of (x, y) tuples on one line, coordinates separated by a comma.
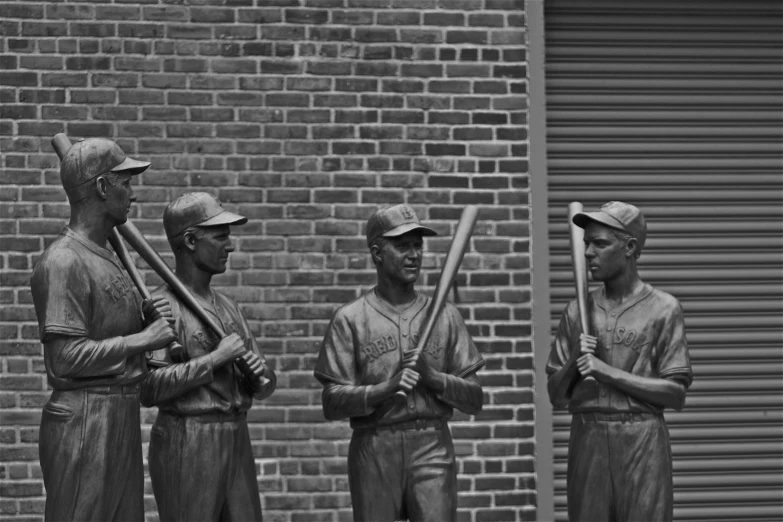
[(202, 468), (90, 451), (619, 468), (403, 473)]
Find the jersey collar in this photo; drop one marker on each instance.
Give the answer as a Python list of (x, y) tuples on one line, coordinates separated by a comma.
[(392, 313), (600, 299), (92, 247)]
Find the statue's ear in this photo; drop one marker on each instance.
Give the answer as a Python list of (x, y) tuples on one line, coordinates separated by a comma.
[(632, 248), (189, 240), (376, 254), (102, 187)]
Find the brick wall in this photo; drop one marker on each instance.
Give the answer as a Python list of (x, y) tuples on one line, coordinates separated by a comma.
[(304, 115)]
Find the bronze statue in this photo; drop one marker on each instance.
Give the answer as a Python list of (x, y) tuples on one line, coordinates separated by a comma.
[(401, 461), (619, 457), (95, 332), (200, 458)]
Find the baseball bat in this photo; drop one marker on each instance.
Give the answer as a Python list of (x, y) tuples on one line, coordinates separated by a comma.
[(577, 236), (61, 144), (459, 245)]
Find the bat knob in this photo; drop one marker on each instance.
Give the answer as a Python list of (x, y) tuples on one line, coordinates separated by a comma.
[(590, 382), (400, 397), (177, 352)]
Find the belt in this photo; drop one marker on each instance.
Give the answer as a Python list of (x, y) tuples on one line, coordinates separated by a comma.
[(419, 424), (209, 417), (114, 389), (620, 416)]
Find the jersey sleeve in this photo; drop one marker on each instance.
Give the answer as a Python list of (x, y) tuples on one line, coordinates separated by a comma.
[(336, 361), (342, 396), (61, 293), (560, 349), (464, 356), (76, 357), (673, 359)]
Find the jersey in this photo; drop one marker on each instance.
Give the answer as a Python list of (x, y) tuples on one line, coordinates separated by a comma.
[(365, 343), (644, 336), (206, 389), (80, 290)]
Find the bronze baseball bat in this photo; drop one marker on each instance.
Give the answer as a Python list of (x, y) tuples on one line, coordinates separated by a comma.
[(61, 144), (459, 245), (577, 236)]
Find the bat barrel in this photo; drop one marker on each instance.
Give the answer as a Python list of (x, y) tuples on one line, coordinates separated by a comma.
[(577, 236), (61, 144)]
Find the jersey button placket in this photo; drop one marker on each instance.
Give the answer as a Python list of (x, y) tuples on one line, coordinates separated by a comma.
[(608, 347), (404, 326)]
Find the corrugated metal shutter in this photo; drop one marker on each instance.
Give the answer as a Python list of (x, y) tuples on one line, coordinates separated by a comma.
[(677, 107)]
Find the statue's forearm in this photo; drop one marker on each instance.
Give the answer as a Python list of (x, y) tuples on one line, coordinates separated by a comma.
[(663, 392)]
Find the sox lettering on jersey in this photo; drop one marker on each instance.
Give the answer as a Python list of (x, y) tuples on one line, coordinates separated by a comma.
[(630, 338)]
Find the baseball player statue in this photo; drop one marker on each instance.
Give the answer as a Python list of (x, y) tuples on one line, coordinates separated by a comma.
[(401, 461), (200, 458), (95, 337), (619, 456)]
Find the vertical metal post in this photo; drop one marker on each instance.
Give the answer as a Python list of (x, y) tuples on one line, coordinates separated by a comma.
[(540, 262)]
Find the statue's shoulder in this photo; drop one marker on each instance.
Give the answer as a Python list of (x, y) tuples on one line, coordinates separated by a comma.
[(63, 254), (353, 309), (665, 302)]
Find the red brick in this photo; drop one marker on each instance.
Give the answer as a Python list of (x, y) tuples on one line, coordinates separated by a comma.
[(117, 12), (19, 79), (211, 15), (20, 489)]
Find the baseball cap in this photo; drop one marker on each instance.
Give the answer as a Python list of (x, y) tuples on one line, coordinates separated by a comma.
[(618, 215), (197, 209), (394, 221), (89, 158)]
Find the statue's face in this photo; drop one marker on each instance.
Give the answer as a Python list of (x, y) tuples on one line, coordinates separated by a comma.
[(401, 258), (119, 197), (606, 254), (211, 250)]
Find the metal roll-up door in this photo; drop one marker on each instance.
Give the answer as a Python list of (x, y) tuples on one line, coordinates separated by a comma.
[(677, 107)]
